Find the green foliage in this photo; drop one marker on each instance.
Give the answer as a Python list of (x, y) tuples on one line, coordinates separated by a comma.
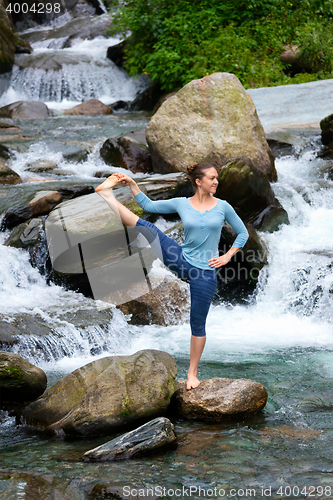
[(178, 41)]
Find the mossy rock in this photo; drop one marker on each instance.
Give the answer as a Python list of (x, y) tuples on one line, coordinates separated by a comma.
[(20, 381), (106, 395)]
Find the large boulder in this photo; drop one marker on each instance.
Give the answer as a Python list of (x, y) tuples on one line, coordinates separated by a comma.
[(210, 117), (25, 110), (90, 107), (128, 153), (8, 39), (20, 381), (218, 399), (8, 176), (106, 395), (155, 435), (247, 189)]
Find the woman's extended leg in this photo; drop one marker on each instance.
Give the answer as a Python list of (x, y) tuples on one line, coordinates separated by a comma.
[(105, 191)]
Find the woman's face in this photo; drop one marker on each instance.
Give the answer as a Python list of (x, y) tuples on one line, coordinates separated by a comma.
[(209, 181)]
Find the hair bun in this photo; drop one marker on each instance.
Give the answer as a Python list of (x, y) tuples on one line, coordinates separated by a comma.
[(190, 168)]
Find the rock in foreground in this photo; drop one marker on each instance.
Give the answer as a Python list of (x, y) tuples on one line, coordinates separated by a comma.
[(217, 399), (19, 380), (106, 395), (210, 117), (153, 435)]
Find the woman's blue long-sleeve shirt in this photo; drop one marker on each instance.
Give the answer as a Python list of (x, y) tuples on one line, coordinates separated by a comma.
[(202, 230)]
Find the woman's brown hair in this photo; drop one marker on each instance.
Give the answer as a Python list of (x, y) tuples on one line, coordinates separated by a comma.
[(198, 170)]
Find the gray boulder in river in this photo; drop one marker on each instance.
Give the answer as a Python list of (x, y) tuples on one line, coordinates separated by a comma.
[(25, 110), (106, 395), (213, 117), (20, 381), (152, 436), (219, 399)]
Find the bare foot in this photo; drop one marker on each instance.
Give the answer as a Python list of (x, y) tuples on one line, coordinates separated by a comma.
[(192, 382), (110, 182)]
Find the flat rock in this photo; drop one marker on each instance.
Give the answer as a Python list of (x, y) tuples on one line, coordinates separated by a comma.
[(152, 436), (293, 107), (217, 399)]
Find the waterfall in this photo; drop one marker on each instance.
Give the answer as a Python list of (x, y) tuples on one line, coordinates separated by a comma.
[(63, 77)]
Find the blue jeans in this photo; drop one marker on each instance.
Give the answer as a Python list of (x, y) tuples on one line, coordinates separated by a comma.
[(202, 281)]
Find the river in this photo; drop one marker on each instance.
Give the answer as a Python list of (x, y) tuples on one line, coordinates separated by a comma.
[(282, 337)]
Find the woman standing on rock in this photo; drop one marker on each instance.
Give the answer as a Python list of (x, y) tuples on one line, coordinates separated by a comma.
[(197, 259)]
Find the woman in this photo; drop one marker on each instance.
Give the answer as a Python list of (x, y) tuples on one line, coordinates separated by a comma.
[(197, 259)]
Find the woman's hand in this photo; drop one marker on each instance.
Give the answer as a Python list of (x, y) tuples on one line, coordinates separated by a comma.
[(125, 179), (219, 261), (223, 259)]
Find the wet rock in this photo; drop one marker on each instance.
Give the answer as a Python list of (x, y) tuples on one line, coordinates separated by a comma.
[(245, 265), (71, 192), (146, 100), (20, 381), (24, 325), (5, 152), (8, 40), (166, 186), (23, 47), (247, 189), (8, 176), (102, 174), (168, 303), (128, 153), (217, 399), (326, 126), (24, 235), (106, 395), (41, 166), (209, 118), (81, 27), (116, 53), (90, 107), (39, 485), (71, 152), (25, 110), (120, 106), (155, 435), (8, 125), (41, 204)]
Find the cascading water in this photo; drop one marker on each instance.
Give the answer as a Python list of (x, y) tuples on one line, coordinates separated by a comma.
[(63, 77)]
